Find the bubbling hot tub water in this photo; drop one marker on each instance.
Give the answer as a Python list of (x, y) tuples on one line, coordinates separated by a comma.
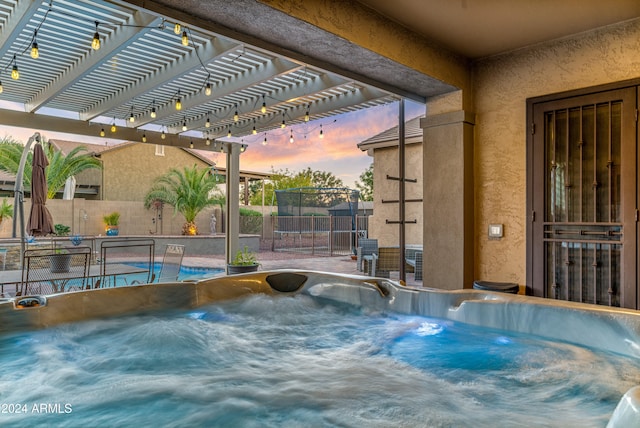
[(266, 361)]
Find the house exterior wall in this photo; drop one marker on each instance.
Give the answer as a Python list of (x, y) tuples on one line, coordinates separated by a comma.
[(130, 171), (385, 162), (502, 85)]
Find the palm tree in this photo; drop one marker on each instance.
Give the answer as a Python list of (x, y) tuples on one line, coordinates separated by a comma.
[(187, 191), (60, 166)]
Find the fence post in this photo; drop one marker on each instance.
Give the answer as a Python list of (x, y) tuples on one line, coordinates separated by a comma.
[(313, 235), (331, 235)]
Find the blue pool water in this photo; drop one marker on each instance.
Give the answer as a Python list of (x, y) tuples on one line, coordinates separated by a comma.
[(301, 362), (186, 272)]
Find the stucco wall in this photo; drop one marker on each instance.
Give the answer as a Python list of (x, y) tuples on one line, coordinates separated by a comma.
[(502, 85), (130, 171), (386, 163)]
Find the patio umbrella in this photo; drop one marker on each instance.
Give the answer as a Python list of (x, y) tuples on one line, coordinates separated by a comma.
[(40, 221)]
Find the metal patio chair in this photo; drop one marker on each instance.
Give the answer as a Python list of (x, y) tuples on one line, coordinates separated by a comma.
[(171, 263)]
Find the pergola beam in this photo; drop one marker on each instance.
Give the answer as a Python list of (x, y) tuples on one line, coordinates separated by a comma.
[(207, 52), (122, 38), (274, 68), (19, 18)]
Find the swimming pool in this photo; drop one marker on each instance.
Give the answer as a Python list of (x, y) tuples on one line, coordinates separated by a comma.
[(316, 349), (278, 362)]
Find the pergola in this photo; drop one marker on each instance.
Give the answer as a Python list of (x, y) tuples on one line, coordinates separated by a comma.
[(150, 72)]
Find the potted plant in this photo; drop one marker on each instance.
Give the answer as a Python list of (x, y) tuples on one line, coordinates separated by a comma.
[(60, 260), (61, 229), (244, 261), (111, 221)]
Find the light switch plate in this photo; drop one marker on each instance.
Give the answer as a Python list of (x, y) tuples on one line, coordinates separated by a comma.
[(495, 231)]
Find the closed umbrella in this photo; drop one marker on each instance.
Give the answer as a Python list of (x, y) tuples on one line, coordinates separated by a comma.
[(40, 221)]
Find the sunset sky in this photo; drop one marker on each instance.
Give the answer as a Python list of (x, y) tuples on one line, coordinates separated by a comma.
[(337, 152)]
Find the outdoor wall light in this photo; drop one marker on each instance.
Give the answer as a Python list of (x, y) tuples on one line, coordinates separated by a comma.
[(95, 43)]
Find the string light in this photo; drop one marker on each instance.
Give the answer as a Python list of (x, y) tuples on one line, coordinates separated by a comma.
[(235, 115), (229, 133), (95, 43), (178, 102), (163, 135), (177, 28), (254, 131), (102, 132), (1, 87), (264, 143), (144, 138), (207, 124), (283, 124), (264, 106), (207, 88), (184, 125), (306, 115), (321, 133), (113, 125), (15, 74), (132, 118), (153, 110), (185, 39), (208, 141), (35, 53), (191, 144), (291, 138)]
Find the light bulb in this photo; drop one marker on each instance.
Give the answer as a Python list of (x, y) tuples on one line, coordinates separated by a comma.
[(306, 116), (207, 89), (163, 135), (208, 142), (191, 144), (254, 132), (15, 74), (113, 128), (243, 148), (207, 124), (291, 138), (321, 134), (178, 104), (153, 113), (229, 133), (236, 116), (102, 132), (132, 118), (177, 28), (264, 143), (264, 108), (144, 138), (35, 53), (1, 88), (95, 43), (283, 124), (185, 39), (184, 125)]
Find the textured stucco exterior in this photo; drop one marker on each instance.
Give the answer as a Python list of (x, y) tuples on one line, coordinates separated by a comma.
[(126, 178), (386, 164), (502, 85)]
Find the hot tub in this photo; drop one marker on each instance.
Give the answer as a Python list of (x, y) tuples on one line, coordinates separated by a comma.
[(296, 347)]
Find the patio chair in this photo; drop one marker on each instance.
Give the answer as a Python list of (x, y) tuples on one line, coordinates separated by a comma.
[(126, 258), (171, 263), (385, 261), (55, 270), (366, 248), (413, 261)]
